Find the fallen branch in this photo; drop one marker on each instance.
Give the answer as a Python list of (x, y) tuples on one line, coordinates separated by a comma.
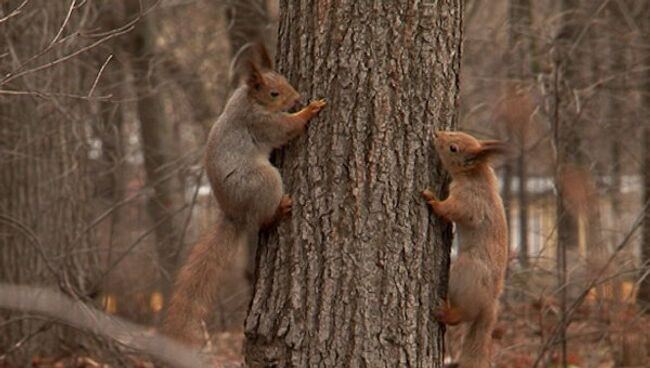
[(56, 305)]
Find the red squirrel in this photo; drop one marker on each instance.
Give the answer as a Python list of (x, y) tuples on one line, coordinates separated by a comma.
[(476, 277), (248, 189)]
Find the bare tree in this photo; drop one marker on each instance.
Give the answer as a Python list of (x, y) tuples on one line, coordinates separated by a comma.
[(570, 150), (520, 49), (355, 274), (162, 157), (644, 288), (569, 154), (45, 237), (248, 21)]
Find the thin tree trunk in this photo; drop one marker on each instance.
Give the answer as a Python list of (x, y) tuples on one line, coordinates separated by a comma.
[(568, 145), (190, 82), (353, 277), (520, 48), (644, 288), (506, 190), (522, 196), (162, 156), (570, 153), (613, 110), (248, 21)]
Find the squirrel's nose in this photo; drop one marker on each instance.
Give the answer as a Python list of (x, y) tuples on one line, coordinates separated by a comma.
[(435, 134)]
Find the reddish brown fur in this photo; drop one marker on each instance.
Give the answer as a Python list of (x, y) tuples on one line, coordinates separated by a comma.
[(477, 275), (197, 281), (246, 186)]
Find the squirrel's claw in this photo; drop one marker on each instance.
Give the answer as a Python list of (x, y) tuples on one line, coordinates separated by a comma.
[(316, 105)]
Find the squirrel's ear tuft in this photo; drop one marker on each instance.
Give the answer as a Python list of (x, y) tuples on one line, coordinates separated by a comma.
[(254, 77), (265, 59), (487, 150)]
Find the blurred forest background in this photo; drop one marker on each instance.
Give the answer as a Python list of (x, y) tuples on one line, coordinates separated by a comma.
[(105, 106)]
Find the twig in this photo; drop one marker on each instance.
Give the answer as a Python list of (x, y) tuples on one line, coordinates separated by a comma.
[(14, 12), (553, 340), (65, 22), (99, 73), (129, 26), (49, 96), (34, 240), (124, 30)]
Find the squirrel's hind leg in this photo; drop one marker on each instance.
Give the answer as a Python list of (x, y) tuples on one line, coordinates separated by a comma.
[(448, 315), (469, 289)]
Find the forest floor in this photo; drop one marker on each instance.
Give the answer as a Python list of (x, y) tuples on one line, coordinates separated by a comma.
[(598, 337)]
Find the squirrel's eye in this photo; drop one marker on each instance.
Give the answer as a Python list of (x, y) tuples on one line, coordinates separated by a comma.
[(453, 148), (275, 94)]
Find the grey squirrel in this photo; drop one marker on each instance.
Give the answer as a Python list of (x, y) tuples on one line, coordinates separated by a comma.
[(477, 275), (248, 189)]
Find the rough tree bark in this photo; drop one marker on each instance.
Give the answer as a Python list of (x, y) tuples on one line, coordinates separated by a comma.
[(353, 277), (45, 187)]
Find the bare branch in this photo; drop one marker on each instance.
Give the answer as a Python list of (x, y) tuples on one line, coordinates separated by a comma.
[(99, 73), (65, 22), (60, 307), (14, 12)]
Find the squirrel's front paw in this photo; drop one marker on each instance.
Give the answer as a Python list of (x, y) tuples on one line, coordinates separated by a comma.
[(316, 106), (429, 196)]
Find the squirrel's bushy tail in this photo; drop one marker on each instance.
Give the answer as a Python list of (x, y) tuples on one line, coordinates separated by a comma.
[(198, 279), (475, 352)]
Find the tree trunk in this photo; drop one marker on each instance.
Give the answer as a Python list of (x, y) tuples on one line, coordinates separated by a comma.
[(506, 191), (522, 196), (644, 288), (613, 110), (520, 48), (570, 154), (568, 145), (159, 144), (191, 83), (45, 188), (520, 42), (353, 277), (248, 21)]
